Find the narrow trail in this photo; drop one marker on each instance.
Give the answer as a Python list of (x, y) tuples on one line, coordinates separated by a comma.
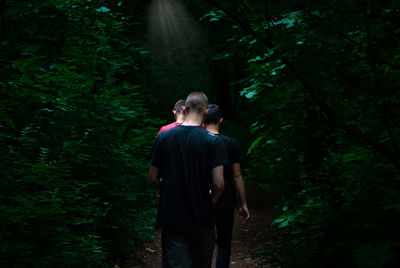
[(247, 240)]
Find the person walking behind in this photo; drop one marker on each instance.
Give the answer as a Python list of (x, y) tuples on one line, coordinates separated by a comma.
[(190, 162), (234, 184), (179, 116)]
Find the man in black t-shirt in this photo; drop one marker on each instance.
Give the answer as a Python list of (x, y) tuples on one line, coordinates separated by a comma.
[(190, 162), (233, 185)]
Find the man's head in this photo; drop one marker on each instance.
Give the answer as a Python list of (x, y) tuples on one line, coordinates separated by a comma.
[(214, 115), (196, 102), (178, 108)]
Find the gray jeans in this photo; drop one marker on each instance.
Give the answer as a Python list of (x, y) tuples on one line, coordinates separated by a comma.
[(188, 249)]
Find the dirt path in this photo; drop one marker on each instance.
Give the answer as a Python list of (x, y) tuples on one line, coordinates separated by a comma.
[(247, 239)]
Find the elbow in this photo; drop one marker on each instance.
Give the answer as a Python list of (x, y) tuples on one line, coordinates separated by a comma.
[(154, 176), (237, 178), (220, 186)]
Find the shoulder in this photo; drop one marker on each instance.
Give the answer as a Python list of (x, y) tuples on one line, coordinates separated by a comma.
[(231, 140), (169, 126), (206, 138), (168, 131), (213, 138), (223, 137), (174, 124), (162, 129), (228, 141), (231, 144), (217, 141), (212, 135)]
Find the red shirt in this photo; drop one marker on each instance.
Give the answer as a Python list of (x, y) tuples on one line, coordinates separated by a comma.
[(174, 124), (164, 128)]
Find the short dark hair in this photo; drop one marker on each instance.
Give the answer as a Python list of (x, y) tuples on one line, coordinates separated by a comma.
[(178, 105), (197, 102), (214, 114)]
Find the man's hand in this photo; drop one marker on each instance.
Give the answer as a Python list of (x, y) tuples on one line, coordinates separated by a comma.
[(244, 214), (239, 186)]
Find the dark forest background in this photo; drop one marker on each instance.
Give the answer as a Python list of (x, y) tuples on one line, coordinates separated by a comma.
[(309, 88)]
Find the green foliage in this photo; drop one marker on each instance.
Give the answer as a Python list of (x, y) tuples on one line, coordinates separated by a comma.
[(321, 84), (74, 135), (323, 79)]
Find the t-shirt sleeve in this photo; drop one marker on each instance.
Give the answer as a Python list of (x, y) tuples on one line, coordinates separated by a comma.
[(218, 155), (236, 152), (156, 153)]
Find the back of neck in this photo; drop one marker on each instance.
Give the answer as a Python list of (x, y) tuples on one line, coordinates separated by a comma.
[(193, 120), (180, 118), (212, 128)]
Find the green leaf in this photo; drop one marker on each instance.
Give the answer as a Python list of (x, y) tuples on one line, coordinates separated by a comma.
[(103, 9), (254, 144)]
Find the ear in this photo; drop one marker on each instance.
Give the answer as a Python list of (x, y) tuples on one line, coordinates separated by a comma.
[(206, 111), (174, 112), (220, 120)]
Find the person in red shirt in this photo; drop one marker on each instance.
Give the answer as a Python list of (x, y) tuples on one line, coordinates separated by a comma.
[(179, 116)]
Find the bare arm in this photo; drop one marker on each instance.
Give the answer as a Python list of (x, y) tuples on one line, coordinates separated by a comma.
[(218, 183), (154, 179), (240, 189)]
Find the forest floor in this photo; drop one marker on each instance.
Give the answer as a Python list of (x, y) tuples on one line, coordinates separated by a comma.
[(247, 240)]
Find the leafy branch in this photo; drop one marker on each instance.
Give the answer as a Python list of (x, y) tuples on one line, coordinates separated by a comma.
[(312, 92)]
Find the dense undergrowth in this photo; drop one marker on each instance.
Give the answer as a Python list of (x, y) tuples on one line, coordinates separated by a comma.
[(74, 135)]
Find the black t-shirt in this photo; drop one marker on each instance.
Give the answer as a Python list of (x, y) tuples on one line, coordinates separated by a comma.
[(228, 197), (186, 156)]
